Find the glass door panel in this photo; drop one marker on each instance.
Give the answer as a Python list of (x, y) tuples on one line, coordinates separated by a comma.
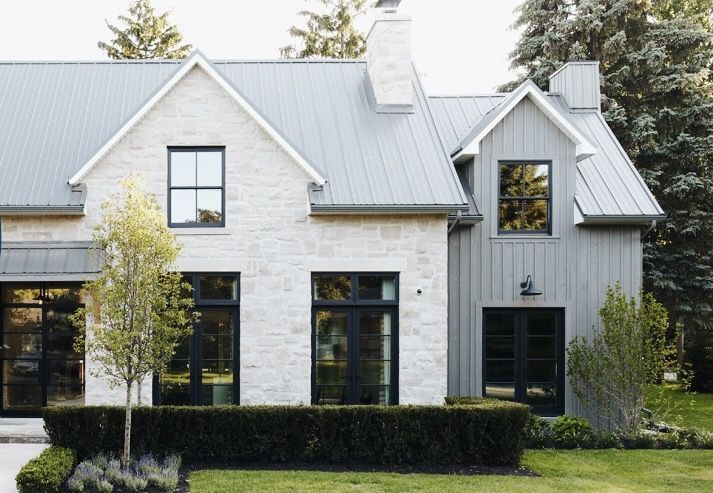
[(217, 329), (332, 350), (374, 331), (540, 330), (500, 355)]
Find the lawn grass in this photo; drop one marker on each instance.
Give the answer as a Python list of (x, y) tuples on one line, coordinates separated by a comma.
[(561, 470), (689, 410)]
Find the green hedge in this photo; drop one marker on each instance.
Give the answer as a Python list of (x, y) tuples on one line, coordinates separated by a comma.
[(489, 434), (46, 472)]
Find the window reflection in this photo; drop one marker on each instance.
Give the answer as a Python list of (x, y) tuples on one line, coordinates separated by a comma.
[(524, 197)]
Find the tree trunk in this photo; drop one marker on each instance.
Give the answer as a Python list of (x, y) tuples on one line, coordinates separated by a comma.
[(127, 428), (680, 348)]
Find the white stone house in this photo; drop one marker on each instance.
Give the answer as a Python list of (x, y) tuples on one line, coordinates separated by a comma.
[(349, 238)]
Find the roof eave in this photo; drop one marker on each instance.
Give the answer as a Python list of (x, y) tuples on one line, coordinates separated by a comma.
[(42, 210), (318, 209), (630, 219)]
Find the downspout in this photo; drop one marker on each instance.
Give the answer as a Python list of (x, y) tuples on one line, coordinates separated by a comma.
[(459, 215), (649, 230)]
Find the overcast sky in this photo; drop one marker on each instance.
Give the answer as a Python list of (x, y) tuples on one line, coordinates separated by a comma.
[(459, 46)]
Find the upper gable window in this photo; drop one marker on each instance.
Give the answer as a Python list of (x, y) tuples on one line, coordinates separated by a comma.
[(524, 198), (196, 187)]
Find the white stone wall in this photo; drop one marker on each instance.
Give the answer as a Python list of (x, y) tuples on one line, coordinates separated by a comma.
[(273, 242)]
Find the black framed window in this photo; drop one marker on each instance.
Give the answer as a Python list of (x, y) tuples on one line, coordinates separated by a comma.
[(523, 357), (355, 338), (40, 366), (204, 369), (524, 195), (196, 187)]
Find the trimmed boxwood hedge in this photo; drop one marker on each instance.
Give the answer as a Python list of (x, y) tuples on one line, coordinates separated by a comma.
[(491, 433), (46, 472)]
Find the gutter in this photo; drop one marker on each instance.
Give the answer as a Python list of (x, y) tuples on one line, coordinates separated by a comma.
[(623, 220), (388, 209), (36, 210)]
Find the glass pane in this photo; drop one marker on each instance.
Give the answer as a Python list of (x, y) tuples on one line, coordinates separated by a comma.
[(541, 324), (500, 324), (183, 169), (541, 347), (375, 322), (534, 215), (178, 372), (541, 371), (210, 206), (59, 323), (219, 287), (22, 319), (542, 394), (377, 287), (183, 206), (210, 169), (22, 345), (65, 296), (20, 294), (65, 395), (332, 372), (500, 347), (217, 371), (21, 371), (375, 347), (175, 394), (332, 287), (214, 395), (510, 215), (536, 181), (21, 398), (331, 394), (62, 346), (510, 180), (331, 322), (66, 372), (375, 372), (331, 347), (499, 371), (374, 394), (218, 347), (505, 391)]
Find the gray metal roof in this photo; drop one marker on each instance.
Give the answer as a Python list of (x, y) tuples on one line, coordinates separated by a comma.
[(61, 261), (55, 115), (608, 186)]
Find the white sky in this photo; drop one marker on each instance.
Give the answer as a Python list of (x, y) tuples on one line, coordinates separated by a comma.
[(459, 46)]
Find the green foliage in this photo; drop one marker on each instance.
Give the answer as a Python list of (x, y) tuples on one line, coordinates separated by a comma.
[(330, 33), (144, 35), (468, 400), (699, 354), (47, 472), (103, 473), (490, 434), (572, 432), (609, 373), (657, 95), (142, 303)]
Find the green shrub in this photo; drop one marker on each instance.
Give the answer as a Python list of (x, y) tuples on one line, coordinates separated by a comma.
[(491, 433), (572, 432), (467, 400), (538, 432), (46, 472)]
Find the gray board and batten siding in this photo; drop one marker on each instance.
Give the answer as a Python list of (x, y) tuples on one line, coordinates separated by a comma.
[(573, 266)]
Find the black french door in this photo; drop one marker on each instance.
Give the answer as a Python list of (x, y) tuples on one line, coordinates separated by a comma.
[(40, 366), (523, 357)]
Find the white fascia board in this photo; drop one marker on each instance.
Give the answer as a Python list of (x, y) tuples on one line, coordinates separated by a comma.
[(584, 148), (197, 59)]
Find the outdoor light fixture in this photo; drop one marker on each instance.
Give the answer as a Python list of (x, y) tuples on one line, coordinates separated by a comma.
[(528, 288)]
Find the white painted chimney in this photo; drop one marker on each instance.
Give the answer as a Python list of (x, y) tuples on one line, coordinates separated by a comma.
[(388, 59), (578, 83)]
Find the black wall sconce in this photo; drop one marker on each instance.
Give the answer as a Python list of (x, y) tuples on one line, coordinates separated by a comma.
[(528, 288)]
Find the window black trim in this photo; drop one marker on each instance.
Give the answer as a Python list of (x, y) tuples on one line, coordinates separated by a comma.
[(172, 149), (195, 342), (534, 232), (44, 359), (521, 351), (353, 307)]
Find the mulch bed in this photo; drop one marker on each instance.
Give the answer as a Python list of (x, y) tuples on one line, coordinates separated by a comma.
[(457, 469)]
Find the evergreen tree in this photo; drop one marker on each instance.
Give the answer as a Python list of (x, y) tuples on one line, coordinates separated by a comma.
[(329, 34), (144, 35), (657, 95)]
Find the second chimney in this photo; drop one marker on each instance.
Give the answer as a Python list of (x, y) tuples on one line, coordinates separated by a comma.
[(388, 59)]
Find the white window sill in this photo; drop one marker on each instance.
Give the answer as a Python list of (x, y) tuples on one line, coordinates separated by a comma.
[(524, 237), (199, 231)]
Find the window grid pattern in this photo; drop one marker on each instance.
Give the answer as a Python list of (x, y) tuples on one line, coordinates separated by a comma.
[(524, 198), (196, 187)]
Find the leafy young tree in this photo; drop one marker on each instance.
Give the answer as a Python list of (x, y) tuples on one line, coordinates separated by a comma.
[(609, 373), (144, 35), (329, 34), (144, 305), (657, 95)]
